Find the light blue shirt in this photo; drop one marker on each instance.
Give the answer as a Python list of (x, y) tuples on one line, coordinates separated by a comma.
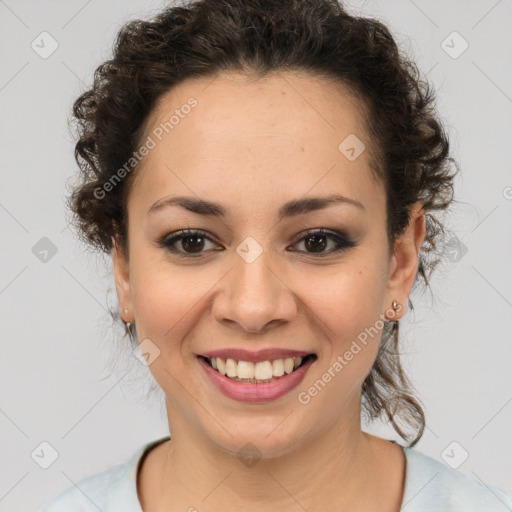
[(430, 486)]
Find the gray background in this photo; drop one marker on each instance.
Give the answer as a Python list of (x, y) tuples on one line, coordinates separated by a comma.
[(58, 342)]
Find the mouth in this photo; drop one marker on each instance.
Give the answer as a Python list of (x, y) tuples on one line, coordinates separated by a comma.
[(260, 380), (260, 372)]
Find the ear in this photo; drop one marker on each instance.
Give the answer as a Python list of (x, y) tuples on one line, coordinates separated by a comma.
[(405, 260), (122, 280)]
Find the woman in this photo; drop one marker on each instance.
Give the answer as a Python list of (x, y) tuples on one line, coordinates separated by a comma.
[(267, 177)]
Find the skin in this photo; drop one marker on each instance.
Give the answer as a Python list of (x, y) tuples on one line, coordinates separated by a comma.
[(312, 455)]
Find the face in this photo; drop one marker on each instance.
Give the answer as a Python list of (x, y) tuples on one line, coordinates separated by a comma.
[(268, 269)]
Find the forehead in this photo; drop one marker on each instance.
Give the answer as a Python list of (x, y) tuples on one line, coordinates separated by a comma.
[(277, 106), (285, 131)]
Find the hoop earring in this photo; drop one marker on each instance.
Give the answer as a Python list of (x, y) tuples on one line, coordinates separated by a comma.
[(127, 325)]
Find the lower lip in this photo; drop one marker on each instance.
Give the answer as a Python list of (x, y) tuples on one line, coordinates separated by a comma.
[(247, 392)]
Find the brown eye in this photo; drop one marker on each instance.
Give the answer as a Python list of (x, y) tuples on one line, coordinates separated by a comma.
[(316, 242), (185, 243), (192, 242)]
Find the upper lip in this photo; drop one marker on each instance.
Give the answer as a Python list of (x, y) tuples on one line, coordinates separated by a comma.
[(267, 354)]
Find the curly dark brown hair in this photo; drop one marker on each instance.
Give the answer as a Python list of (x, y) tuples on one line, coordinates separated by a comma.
[(207, 37)]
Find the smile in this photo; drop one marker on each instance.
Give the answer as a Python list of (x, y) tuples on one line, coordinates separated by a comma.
[(259, 381), (256, 373)]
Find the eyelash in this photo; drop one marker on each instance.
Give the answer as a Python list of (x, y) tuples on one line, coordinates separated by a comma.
[(168, 241)]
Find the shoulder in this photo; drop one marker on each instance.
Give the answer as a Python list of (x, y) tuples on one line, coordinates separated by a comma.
[(97, 492), (432, 485), (112, 490)]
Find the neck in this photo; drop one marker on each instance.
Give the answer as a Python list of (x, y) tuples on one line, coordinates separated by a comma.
[(336, 465)]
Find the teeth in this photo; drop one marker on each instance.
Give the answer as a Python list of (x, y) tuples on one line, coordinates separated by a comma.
[(246, 370), (231, 368), (288, 365), (278, 368), (221, 365), (260, 371)]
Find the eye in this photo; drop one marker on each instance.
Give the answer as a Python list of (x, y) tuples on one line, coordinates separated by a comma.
[(191, 242), (317, 240)]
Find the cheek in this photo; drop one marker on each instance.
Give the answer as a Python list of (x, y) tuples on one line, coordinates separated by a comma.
[(348, 313), (347, 304), (348, 299), (165, 297)]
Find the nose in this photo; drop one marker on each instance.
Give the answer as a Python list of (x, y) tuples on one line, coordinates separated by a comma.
[(254, 296)]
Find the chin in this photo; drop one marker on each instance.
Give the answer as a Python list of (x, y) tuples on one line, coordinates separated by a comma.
[(269, 440)]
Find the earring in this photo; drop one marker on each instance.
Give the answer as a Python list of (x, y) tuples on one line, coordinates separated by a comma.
[(127, 325), (395, 305)]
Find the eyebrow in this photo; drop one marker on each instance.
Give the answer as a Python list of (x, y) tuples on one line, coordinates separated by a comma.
[(289, 209)]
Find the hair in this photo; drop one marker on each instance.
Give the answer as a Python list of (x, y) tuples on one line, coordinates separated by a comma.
[(257, 37)]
